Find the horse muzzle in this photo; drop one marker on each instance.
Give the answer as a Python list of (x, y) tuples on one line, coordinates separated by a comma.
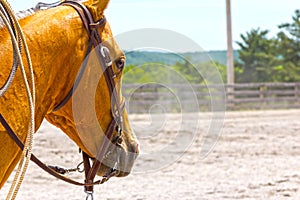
[(119, 158), (127, 159)]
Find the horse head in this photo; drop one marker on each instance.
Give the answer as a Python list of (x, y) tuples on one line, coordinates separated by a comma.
[(95, 117), (97, 110)]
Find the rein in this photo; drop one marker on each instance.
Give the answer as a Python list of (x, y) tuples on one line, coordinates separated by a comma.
[(18, 41), (117, 108)]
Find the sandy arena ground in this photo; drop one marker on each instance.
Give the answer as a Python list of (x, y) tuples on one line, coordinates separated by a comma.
[(257, 156)]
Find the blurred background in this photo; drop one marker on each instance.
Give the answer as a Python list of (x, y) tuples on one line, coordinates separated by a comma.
[(233, 55)]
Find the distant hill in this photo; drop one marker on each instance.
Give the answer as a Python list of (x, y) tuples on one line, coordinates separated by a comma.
[(141, 57)]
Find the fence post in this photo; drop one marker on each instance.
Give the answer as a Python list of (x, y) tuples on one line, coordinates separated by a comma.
[(230, 96), (297, 94), (262, 96)]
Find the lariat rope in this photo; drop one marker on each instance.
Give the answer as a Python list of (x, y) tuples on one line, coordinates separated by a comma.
[(18, 40)]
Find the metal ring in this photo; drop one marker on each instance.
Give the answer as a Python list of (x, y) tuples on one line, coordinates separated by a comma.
[(103, 49), (90, 195), (78, 168), (105, 53)]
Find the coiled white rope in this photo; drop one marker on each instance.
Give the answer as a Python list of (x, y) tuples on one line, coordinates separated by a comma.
[(5, 10)]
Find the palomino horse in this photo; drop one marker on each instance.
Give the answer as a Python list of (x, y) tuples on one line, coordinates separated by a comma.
[(58, 41)]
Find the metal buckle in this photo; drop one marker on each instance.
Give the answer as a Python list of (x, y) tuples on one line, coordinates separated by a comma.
[(106, 55), (89, 195)]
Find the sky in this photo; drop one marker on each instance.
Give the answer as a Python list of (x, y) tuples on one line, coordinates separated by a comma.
[(203, 21)]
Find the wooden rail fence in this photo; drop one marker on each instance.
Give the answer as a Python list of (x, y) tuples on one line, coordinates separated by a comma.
[(179, 97)]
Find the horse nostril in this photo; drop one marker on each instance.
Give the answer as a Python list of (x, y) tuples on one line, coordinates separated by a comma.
[(137, 148), (134, 148), (119, 141)]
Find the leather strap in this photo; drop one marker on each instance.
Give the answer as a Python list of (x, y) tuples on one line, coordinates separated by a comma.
[(37, 161), (79, 8), (88, 172)]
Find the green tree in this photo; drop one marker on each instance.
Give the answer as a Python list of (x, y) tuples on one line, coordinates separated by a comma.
[(222, 70), (257, 55), (288, 48), (188, 71)]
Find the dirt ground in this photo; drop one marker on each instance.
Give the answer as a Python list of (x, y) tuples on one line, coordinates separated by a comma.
[(257, 156)]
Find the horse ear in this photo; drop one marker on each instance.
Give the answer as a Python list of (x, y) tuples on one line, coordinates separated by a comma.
[(97, 7)]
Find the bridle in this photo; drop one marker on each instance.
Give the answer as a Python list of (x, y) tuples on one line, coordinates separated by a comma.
[(117, 108)]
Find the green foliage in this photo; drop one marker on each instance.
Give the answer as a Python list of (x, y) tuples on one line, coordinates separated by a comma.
[(264, 59), (288, 40), (180, 72), (188, 71), (147, 73), (257, 57), (222, 70)]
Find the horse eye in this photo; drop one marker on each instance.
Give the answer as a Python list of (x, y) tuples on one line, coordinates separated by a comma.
[(120, 63)]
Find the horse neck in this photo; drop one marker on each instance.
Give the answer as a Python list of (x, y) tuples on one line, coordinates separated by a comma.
[(57, 48)]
